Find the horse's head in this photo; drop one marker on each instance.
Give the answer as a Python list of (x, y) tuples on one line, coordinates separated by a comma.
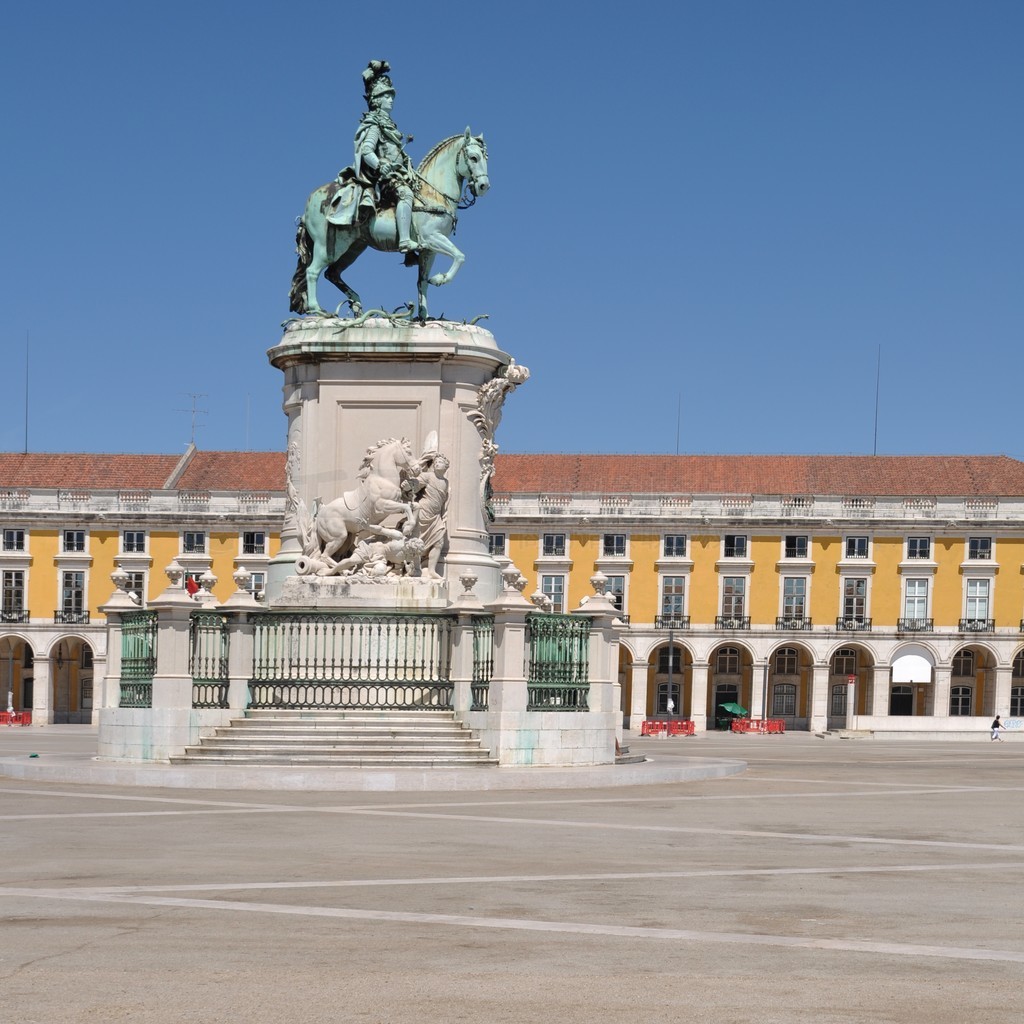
[(472, 163)]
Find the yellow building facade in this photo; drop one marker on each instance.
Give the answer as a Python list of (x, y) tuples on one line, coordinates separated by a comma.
[(866, 593)]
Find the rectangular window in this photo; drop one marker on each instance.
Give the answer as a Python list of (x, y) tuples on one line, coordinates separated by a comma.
[(784, 699), (554, 587), (194, 542), (258, 582), (14, 592), (915, 605), (855, 598), (735, 546), (137, 585), (669, 657), (919, 547), (254, 542), (553, 545), (977, 599), (496, 544), (838, 700), (617, 592), (856, 547), (613, 545), (733, 592), (675, 545), (794, 597), (133, 541), (673, 596), (73, 592), (979, 548), (796, 547), (74, 540), (14, 540)]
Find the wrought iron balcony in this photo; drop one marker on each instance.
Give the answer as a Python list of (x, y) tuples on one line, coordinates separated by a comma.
[(853, 624), (792, 623), (914, 625), (977, 625), (14, 615), (732, 622), (68, 618), (671, 621), (624, 619)]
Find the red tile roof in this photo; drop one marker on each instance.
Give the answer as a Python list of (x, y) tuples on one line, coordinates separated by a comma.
[(234, 471), (837, 475), (85, 471)]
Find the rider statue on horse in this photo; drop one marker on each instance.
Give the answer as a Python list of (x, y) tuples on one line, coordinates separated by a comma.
[(381, 160)]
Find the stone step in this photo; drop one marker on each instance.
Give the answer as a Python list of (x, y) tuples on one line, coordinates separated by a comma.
[(340, 761), (342, 737)]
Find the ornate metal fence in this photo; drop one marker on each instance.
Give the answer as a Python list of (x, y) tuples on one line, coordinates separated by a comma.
[(138, 659), (559, 661), (351, 661), (483, 660), (208, 660)]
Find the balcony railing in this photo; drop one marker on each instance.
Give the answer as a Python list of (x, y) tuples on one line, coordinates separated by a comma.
[(792, 623), (732, 622), (914, 625), (853, 624), (977, 625), (671, 621), (10, 615), (71, 618), (624, 619)]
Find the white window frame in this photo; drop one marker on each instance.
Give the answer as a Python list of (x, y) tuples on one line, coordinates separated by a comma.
[(805, 596), (615, 538), (989, 557), (916, 581), (203, 550), (497, 544), (684, 609), (74, 532), (665, 553), (796, 537), (854, 538), (125, 550), (564, 553), (622, 604), (262, 546), (551, 591), (843, 581), (742, 613), (16, 533), (744, 537), (974, 581), (917, 538)]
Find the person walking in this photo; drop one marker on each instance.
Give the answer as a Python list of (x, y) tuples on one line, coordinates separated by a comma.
[(996, 726)]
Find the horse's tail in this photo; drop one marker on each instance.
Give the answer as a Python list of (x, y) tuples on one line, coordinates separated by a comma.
[(298, 299)]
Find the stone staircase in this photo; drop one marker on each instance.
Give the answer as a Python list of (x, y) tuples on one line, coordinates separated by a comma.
[(342, 738)]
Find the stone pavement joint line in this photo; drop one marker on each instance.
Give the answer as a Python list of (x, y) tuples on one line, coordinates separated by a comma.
[(558, 927)]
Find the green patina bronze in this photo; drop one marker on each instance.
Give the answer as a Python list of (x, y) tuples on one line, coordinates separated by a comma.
[(383, 202)]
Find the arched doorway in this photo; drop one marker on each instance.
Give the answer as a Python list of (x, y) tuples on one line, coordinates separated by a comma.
[(17, 666), (971, 682), (855, 662), (912, 681), (789, 676), (71, 675), (729, 679), (669, 689)]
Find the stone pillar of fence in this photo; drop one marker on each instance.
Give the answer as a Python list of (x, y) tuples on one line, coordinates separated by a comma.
[(604, 699), (238, 609)]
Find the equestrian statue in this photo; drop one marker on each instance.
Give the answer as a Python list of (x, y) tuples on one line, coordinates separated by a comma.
[(382, 202)]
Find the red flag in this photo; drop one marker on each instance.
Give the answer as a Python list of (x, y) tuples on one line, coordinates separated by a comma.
[(191, 586)]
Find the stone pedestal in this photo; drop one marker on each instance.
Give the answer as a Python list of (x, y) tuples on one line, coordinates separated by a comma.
[(348, 386)]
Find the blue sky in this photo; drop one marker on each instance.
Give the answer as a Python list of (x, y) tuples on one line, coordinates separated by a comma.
[(714, 212)]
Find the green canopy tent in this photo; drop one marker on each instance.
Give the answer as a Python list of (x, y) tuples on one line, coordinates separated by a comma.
[(734, 709)]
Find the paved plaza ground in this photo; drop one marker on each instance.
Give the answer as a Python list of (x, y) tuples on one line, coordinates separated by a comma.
[(833, 881)]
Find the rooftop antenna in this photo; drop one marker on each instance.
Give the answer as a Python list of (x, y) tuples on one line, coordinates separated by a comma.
[(878, 378), (26, 391), (195, 412)]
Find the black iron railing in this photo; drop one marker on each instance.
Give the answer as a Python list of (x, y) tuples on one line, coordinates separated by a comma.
[(12, 615), (853, 623), (732, 622), (977, 625), (671, 621), (914, 625), (792, 623), (71, 618)]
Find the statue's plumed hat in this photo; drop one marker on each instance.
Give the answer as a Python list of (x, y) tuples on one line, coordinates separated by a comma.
[(375, 80)]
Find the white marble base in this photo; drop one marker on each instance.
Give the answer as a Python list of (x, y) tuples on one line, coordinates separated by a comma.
[(327, 593)]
